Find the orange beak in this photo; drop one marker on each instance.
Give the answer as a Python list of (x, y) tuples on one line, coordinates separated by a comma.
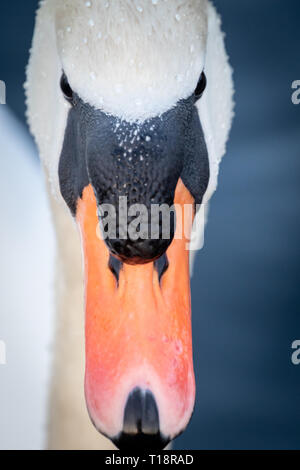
[(138, 337)]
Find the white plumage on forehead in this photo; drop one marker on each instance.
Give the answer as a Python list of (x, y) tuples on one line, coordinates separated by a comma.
[(132, 58)]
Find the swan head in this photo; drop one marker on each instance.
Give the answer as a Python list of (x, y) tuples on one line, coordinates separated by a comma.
[(126, 87)]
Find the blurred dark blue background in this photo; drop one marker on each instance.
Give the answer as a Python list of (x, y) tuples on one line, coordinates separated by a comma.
[(246, 298)]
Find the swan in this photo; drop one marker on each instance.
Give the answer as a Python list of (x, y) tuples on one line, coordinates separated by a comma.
[(126, 99), (27, 252)]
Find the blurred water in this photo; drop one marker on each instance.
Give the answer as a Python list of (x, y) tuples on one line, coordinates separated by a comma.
[(246, 299)]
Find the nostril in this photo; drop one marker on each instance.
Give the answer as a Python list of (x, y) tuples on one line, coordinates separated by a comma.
[(141, 423), (115, 266), (161, 265)]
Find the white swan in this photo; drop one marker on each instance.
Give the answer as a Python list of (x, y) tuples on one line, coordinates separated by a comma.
[(114, 102), (26, 252)]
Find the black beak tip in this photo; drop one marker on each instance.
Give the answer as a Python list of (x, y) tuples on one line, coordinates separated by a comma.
[(141, 424), (140, 442)]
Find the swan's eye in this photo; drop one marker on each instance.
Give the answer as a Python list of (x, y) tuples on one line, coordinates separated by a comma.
[(200, 86), (65, 88)]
